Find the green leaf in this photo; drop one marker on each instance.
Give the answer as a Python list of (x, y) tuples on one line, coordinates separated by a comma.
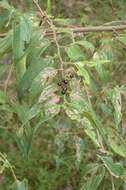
[(6, 44), (102, 55), (91, 63), (4, 163), (6, 108), (116, 169), (33, 54), (32, 112), (20, 185), (80, 147), (115, 97), (75, 109), (3, 69), (116, 142), (36, 87), (122, 38), (96, 124), (86, 44), (31, 73), (40, 81), (3, 97), (49, 6), (101, 71), (75, 53), (84, 73), (47, 93), (93, 182), (24, 138), (21, 37), (26, 113), (89, 168), (81, 112), (91, 132), (4, 14), (4, 4)]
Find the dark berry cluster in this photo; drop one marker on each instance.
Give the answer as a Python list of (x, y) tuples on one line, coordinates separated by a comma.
[(64, 84)]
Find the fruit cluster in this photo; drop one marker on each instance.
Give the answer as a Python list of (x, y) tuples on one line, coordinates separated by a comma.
[(64, 84)]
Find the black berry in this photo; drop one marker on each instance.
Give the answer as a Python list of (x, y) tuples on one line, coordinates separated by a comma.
[(59, 83), (71, 76), (65, 88), (63, 92), (65, 81)]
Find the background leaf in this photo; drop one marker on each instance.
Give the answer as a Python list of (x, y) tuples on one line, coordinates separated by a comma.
[(20, 185), (75, 53), (116, 169), (93, 182)]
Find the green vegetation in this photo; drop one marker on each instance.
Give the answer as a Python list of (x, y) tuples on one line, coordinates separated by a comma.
[(62, 95)]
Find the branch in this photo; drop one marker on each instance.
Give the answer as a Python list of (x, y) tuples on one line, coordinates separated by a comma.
[(89, 29), (2, 35), (54, 33)]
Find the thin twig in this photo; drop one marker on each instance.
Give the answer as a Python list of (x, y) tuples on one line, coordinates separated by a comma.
[(52, 27), (112, 180), (3, 35), (8, 163), (13, 173), (115, 23)]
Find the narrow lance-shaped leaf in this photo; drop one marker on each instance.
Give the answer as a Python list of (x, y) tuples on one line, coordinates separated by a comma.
[(116, 169), (3, 97), (75, 53), (80, 147), (122, 38), (20, 185), (33, 70), (86, 44), (101, 71), (21, 37), (6, 44), (82, 72), (89, 168), (91, 131), (24, 140), (93, 182), (116, 142), (26, 113), (49, 6), (4, 4), (115, 97)]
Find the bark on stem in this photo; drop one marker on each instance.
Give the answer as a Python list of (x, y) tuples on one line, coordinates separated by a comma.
[(83, 30), (89, 29)]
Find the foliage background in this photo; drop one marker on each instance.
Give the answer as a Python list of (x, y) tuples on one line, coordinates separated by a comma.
[(54, 141)]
